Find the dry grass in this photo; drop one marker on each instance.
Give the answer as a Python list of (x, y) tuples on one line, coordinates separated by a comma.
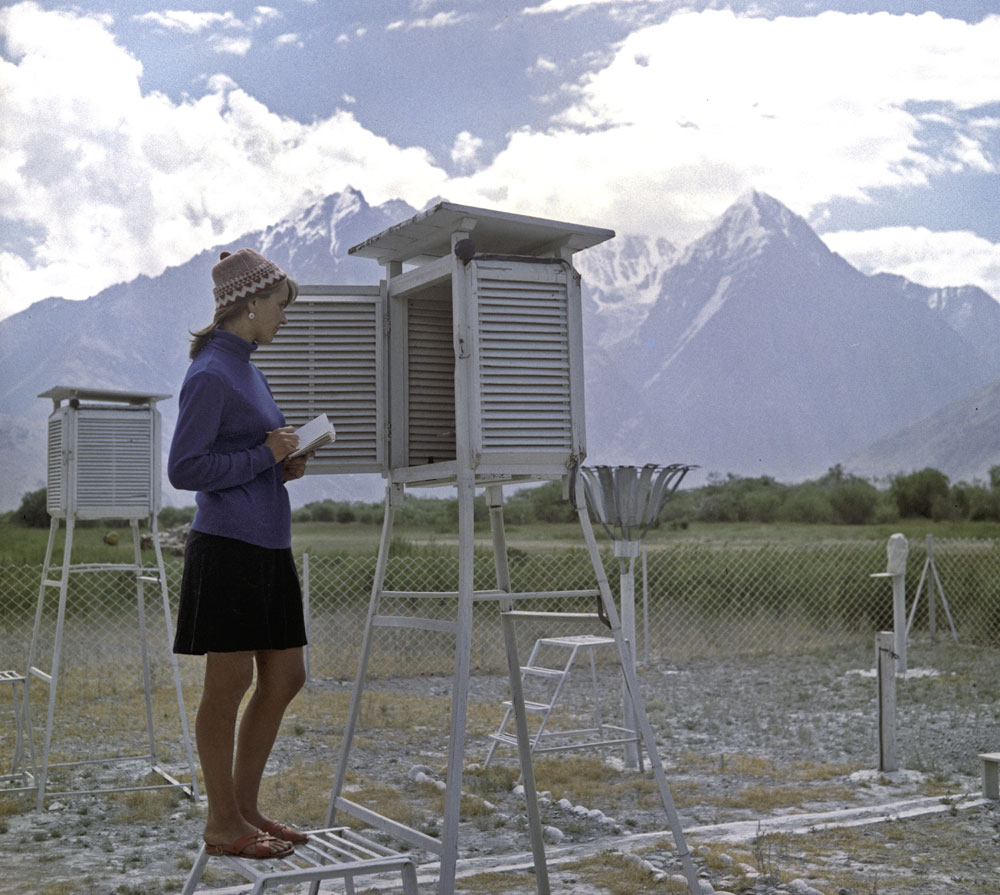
[(850, 857), (587, 780), (613, 872), (145, 806)]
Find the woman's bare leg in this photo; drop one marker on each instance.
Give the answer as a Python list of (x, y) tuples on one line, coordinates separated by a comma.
[(227, 678), (280, 675)]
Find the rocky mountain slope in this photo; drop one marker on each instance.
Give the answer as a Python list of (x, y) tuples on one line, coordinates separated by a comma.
[(754, 350)]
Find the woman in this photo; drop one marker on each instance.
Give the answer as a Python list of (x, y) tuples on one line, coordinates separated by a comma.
[(240, 604)]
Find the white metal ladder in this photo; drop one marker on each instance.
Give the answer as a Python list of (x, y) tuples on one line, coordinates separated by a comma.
[(551, 681), (60, 582)]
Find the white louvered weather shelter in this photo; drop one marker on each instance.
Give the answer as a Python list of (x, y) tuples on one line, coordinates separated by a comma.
[(458, 360), (103, 463), (465, 367), (103, 454)]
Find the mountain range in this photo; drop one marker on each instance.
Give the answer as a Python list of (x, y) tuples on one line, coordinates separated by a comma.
[(754, 350)]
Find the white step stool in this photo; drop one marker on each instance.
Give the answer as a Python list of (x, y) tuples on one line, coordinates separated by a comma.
[(22, 775), (599, 736), (334, 853)]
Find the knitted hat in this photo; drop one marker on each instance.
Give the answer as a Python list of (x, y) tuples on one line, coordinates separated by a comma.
[(240, 275)]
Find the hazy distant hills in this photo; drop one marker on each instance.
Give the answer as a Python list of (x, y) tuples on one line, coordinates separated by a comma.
[(767, 353), (962, 437), (755, 350)]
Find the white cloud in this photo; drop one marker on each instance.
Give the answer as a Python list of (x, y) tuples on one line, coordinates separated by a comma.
[(556, 6), (938, 259), (188, 21), (465, 150), (111, 182), (262, 14), (679, 119), (289, 40), (235, 46), (542, 64), (689, 113), (438, 20)]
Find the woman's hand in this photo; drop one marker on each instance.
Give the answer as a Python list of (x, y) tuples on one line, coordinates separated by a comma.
[(282, 442), (295, 468)]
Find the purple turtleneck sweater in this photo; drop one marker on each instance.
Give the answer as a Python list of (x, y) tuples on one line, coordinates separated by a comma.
[(218, 450)]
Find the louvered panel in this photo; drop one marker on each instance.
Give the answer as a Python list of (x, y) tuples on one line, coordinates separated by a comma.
[(328, 359), (430, 381), (523, 353), (114, 459), (55, 496)]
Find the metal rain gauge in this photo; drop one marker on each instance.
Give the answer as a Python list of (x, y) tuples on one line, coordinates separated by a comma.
[(626, 500)]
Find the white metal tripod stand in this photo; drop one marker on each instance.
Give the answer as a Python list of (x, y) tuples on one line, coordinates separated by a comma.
[(143, 575), (461, 629), (930, 566)]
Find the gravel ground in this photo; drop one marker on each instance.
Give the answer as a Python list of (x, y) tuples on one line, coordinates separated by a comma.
[(771, 762)]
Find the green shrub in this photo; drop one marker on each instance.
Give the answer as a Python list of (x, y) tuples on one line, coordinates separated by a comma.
[(854, 502), (172, 517), (918, 493), (807, 504), (33, 513)]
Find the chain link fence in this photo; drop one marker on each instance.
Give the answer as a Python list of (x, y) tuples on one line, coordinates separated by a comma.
[(694, 600)]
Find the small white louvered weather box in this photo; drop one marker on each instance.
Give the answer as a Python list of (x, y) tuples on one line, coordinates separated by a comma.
[(103, 454), (471, 345)]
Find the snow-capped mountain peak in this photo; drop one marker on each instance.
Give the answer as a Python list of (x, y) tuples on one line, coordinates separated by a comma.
[(748, 227)]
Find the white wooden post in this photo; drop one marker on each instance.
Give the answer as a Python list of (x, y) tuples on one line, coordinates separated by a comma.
[(886, 672), (897, 549)]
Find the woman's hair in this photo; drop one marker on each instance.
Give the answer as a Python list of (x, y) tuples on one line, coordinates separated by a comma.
[(200, 338)]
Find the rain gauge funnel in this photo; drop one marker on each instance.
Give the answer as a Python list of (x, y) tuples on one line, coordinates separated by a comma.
[(626, 500)]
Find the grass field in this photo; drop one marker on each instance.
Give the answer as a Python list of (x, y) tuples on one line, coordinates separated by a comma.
[(26, 546)]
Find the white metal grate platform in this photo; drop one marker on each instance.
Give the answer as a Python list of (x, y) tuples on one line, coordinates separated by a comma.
[(333, 853)]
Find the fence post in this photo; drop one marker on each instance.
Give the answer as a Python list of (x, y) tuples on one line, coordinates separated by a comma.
[(885, 664), (931, 602), (305, 609), (645, 608), (896, 550)]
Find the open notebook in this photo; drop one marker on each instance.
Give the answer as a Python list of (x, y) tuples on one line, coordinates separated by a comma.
[(314, 434)]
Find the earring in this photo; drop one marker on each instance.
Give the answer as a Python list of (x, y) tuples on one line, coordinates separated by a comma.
[(250, 315)]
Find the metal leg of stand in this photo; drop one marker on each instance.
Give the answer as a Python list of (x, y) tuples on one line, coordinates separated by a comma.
[(393, 495), (460, 684), (175, 667), (140, 599), (194, 877), (53, 676), (635, 696), (494, 497)]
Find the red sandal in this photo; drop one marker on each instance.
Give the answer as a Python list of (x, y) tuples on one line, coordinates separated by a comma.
[(284, 832), (260, 843)]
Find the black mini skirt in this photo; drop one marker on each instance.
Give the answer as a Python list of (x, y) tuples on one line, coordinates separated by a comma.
[(237, 596)]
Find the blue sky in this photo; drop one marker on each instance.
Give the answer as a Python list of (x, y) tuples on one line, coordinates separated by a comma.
[(135, 136)]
